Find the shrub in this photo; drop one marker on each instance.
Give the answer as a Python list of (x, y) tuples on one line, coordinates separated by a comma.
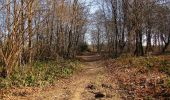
[(83, 47)]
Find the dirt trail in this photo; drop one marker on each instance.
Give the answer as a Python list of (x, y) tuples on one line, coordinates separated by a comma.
[(91, 83)]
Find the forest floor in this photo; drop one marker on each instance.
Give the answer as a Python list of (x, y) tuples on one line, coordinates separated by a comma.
[(92, 83)]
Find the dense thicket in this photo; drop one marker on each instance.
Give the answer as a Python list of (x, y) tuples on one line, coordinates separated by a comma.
[(32, 30), (137, 27)]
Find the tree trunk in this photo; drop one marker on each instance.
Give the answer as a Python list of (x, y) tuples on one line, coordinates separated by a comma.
[(30, 30), (139, 47)]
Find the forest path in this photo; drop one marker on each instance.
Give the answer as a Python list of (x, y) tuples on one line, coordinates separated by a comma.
[(91, 83)]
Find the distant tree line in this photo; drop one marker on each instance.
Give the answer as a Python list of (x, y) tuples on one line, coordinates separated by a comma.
[(137, 27)]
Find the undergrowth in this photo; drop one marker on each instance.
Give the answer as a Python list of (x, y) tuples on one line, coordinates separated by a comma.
[(40, 74), (160, 63), (146, 78)]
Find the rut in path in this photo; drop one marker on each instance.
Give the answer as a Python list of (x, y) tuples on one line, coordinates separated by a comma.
[(91, 83)]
